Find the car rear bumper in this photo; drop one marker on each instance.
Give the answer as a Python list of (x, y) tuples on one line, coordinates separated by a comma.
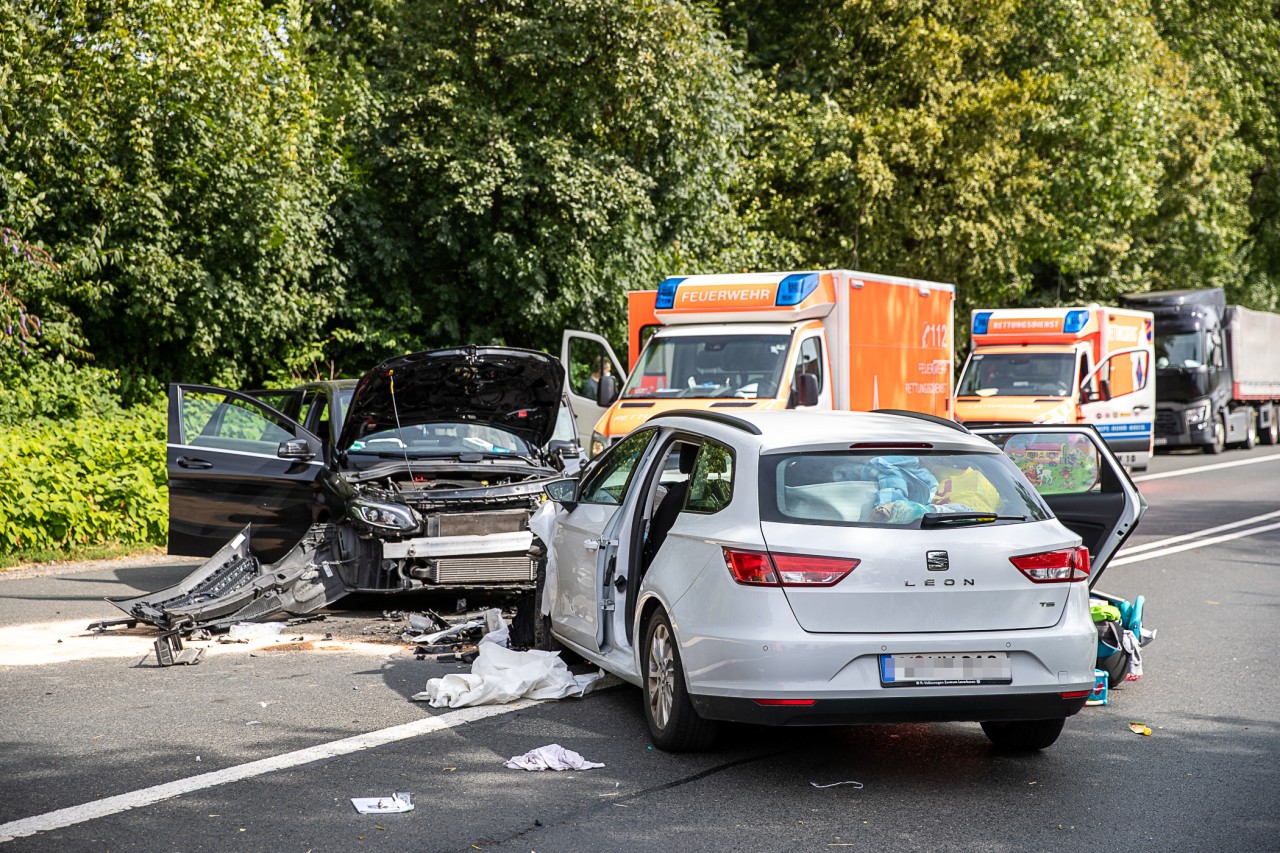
[(894, 709)]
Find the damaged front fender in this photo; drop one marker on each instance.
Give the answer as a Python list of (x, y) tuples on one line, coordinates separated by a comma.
[(234, 586)]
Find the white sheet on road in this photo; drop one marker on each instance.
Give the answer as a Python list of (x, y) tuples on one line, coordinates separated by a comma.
[(551, 757), (500, 675)]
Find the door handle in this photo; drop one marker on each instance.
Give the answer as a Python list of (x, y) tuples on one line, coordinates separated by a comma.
[(1141, 407), (192, 462)]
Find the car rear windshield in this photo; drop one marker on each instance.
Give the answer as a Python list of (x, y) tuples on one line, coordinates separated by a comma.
[(873, 488)]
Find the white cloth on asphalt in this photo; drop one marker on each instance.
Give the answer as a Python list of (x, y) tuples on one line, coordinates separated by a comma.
[(500, 675), (551, 757)]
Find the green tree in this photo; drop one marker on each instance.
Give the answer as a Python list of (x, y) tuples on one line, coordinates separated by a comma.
[(526, 162), (172, 157), (1029, 150)]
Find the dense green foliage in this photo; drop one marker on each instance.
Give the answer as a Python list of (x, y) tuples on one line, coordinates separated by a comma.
[(249, 191), (84, 481)]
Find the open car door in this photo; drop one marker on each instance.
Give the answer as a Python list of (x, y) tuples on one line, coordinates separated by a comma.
[(1081, 480), (233, 460), (586, 358)]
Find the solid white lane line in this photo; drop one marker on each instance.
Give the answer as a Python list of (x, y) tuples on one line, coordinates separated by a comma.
[(1189, 546), (146, 796), (1142, 478), (1208, 531)]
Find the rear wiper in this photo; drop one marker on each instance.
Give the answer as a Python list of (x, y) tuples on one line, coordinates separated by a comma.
[(956, 519)]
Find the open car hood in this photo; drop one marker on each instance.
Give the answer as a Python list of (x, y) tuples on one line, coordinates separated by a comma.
[(514, 389)]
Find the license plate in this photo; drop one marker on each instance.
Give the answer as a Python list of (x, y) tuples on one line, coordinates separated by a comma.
[(1161, 442), (944, 670)]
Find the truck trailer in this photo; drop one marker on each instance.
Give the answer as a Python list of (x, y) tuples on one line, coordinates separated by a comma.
[(1217, 370), (823, 340)]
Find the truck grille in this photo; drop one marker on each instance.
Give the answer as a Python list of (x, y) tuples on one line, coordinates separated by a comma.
[(1168, 423), (482, 570)]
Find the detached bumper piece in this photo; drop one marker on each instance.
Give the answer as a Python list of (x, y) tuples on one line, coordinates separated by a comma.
[(169, 651), (233, 586)]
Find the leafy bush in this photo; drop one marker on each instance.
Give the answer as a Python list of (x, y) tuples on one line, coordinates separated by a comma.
[(99, 478)]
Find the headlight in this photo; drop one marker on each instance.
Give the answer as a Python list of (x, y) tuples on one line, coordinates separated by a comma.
[(395, 517), (598, 443), (1197, 414)]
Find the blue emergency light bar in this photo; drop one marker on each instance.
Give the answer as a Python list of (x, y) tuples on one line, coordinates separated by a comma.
[(795, 289), (1075, 321), (667, 292), (980, 321)]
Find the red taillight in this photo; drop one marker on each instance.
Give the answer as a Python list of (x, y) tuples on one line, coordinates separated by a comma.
[(750, 567), (795, 570), (758, 568), (1076, 694), (1065, 566), (805, 702)]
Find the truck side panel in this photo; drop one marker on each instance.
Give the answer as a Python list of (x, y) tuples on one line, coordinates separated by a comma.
[(899, 345)]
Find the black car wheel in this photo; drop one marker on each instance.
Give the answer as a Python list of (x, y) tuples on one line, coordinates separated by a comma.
[(1023, 735), (674, 725)]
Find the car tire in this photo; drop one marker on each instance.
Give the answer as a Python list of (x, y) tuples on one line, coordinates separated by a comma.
[(1023, 735), (1219, 437), (674, 725)]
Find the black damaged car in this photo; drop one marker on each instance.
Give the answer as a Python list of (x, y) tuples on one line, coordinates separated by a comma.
[(439, 462)]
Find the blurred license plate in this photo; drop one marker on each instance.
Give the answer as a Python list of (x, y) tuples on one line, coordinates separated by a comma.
[(1161, 442), (941, 670)]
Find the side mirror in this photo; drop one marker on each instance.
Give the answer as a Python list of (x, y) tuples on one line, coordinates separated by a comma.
[(806, 390), (607, 390), (295, 448), (562, 448), (563, 492)]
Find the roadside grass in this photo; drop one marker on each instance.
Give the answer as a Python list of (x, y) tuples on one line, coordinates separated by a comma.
[(92, 552)]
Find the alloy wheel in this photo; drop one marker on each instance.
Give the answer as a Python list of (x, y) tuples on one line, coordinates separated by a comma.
[(661, 676)]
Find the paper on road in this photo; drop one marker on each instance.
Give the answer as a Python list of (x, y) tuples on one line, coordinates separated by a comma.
[(551, 757)]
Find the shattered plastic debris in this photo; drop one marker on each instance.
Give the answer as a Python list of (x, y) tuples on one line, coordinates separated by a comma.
[(1140, 729), (550, 757), (254, 630), (465, 630), (401, 801)]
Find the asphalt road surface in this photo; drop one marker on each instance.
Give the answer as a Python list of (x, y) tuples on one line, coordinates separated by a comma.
[(260, 748)]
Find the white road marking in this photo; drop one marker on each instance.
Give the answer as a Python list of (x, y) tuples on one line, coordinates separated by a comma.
[(1208, 531), (1142, 478), (146, 796), (1189, 546)]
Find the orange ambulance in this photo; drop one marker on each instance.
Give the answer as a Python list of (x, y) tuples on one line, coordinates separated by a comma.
[(1064, 365), (831, 339)]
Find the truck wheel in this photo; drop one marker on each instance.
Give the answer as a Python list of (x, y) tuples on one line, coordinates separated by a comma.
[(1251, 432), (1272, 433), (1219, 437)]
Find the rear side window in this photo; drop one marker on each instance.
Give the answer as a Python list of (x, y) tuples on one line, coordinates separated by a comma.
[(877, 489), (711, 484)]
